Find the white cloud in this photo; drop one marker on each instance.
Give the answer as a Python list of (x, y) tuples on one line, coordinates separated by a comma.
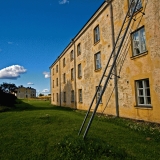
[(10, 42), (12, 72), (63, 2), (46, 74), (30, 83), (45, 91)]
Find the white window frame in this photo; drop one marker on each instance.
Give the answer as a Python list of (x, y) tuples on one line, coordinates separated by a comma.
[(139, 42), (96, 34), (98, 93), (79, 70), (142, 91), (139, 5), (80, 95), (97, 57)]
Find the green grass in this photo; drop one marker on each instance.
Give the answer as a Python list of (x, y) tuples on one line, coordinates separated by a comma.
[(36, 130)]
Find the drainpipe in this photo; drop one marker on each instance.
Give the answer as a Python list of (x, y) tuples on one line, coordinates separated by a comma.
[(75, 69), (59, 82), (115, 68)]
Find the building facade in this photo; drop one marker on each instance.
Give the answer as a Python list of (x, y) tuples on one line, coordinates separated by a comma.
[(76, 73), (26, 92)]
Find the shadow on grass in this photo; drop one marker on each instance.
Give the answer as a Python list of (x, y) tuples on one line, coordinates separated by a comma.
[(22, 105)]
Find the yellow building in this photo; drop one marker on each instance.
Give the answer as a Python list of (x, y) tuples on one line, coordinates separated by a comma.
[(76, 73), (26, 92)]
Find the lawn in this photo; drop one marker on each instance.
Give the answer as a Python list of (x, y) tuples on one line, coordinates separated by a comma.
[(36, 130)]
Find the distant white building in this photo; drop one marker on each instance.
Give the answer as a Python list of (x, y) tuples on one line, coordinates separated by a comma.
[(26, 92)]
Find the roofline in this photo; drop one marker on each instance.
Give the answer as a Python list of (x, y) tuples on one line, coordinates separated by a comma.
[(81, 30)]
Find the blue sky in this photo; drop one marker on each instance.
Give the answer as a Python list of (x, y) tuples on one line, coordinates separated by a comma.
[(32, 35)]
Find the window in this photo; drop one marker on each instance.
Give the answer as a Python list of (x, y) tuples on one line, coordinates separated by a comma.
[(139, 5), (56, 68), (64, 78), (80, 95), (57, 81), (64, 96), (57, 97), (79, 71), (72, 74), (53, 97), (53, 83), (78, 49), (97, 60), (53, 71), (139, 42), (72, 55), (64, 62), (96, 34), (72, 96), (143, 92), (98, 93)]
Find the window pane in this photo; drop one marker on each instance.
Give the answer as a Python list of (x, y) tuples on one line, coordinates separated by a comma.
[(136, 43), (140, 84), (148, 100), (148, 92), (146, 83), (141, 92), (141, 100), (143, 40)]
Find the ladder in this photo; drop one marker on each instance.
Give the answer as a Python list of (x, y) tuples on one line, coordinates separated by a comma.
[(109, 69)]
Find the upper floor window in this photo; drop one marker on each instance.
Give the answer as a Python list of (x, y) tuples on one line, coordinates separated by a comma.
[(72, 74), (53, 71), (96, 34), (78, 49), (98, 93), (64, 78), (56, 68), (139, 42), (143, 92), (57, 81), (79, 71), (53, 83), (97, 58), (139, 5), (72, 55), (64, 62)]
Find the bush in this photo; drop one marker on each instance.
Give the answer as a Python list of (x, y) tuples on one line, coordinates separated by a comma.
[(7, 99)]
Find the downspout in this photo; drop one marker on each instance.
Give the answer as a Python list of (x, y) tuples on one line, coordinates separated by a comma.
[(115, 68), (75, 69), (59, 82)]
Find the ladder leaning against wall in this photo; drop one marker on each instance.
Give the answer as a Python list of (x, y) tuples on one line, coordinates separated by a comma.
[(109, 69)]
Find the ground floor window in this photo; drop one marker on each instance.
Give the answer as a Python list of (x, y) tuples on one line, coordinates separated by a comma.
[(72, 96), (98, 93), (143, 92), (57, 97), (80, 95), (64, 96), (53, 97)]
